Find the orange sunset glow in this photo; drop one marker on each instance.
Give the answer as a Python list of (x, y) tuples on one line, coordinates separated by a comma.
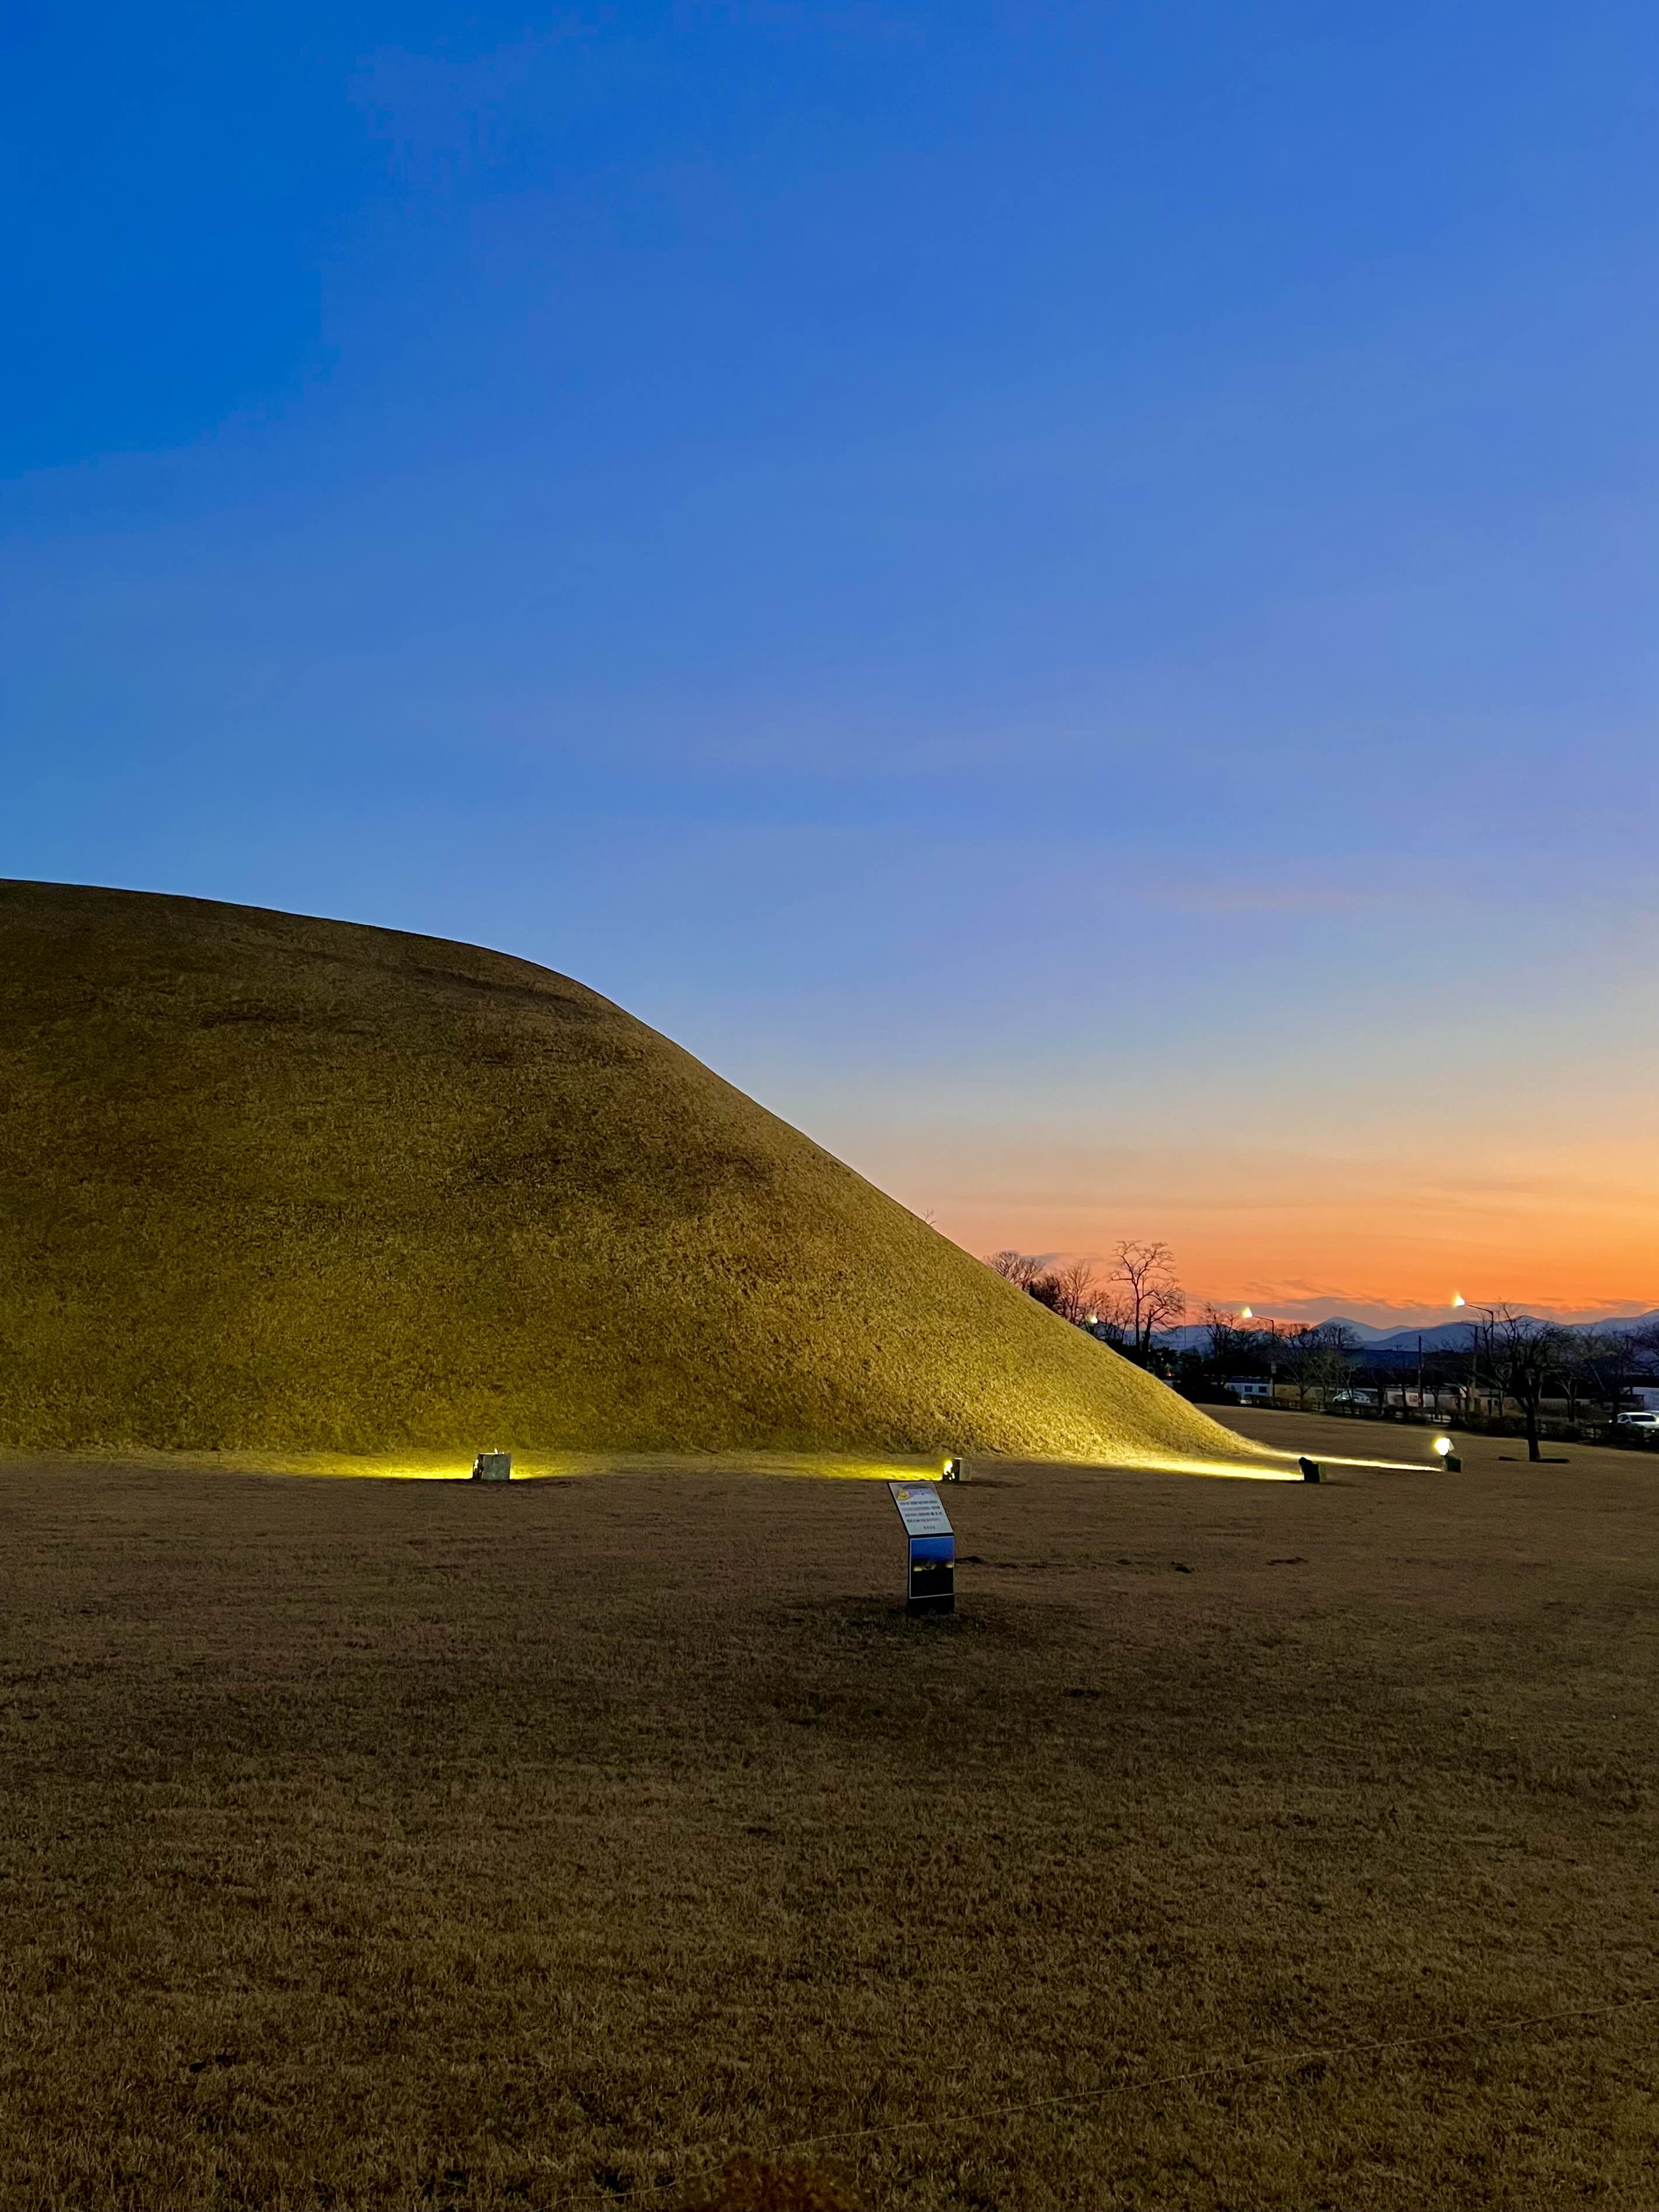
[(1374, 1240)]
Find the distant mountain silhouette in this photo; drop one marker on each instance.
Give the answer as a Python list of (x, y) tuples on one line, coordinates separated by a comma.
[(1443, 1336)]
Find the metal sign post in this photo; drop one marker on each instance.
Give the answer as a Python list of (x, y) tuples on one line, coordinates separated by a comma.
[(931, 1586)]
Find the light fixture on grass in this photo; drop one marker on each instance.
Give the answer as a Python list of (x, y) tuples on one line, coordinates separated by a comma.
[(493, 1467), (1310, 1470), (1449, 1458), (952, 1471)]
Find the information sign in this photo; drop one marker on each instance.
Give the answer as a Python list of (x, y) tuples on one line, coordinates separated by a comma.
[(932, 1547), (921, 1508)]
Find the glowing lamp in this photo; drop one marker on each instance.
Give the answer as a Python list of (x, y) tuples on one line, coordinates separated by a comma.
[(1310, 1470), (1447, 1457), (952, 1471)]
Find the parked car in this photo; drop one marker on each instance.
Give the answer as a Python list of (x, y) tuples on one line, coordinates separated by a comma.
[(1646, 1422)]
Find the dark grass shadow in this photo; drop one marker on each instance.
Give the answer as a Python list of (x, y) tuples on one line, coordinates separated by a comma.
[(981, 1617)]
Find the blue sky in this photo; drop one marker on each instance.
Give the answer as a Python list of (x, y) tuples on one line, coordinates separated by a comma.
[(1065, 593)]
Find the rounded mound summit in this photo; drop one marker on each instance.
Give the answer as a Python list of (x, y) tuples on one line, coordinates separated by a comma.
[(272, 1182)]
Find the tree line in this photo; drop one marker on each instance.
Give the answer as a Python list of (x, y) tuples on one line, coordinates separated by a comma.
[(1510, 1356), (1135, 1297), (1530, 1360)]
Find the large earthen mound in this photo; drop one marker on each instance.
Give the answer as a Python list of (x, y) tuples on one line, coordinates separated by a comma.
[(270, 1182)]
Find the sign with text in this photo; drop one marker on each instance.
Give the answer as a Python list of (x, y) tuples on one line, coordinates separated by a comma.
[(932, 1587), (919, 1509)]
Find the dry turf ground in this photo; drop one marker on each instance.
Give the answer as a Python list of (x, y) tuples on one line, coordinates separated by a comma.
[(1238, 1843)]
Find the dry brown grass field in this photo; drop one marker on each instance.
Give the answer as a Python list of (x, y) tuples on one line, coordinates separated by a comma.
[(1238, 1843)]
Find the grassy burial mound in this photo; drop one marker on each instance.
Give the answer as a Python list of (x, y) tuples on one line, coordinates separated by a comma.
[(275, 1183)]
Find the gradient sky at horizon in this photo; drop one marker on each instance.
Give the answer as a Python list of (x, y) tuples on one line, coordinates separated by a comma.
[(1063, 594)]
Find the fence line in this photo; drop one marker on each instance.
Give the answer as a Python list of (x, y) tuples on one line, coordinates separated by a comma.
[(1550, 1426)]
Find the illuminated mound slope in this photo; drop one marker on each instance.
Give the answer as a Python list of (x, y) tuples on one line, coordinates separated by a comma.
[(272, 1182)]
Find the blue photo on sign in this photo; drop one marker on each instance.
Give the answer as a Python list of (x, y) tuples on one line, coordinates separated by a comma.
[(932, 1575)]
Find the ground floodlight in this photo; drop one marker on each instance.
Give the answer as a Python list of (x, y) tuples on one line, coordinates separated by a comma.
[(952, 1471), (493, 1467), (1310, 1471), (1447, 1457)]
